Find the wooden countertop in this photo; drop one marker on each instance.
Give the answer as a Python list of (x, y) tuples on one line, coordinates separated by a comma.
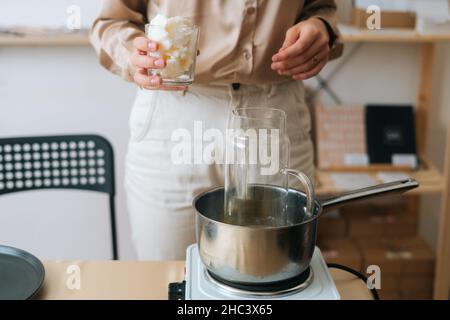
[(105, 280)]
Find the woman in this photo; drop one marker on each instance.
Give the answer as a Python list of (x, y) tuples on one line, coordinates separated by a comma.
[(252, 53)]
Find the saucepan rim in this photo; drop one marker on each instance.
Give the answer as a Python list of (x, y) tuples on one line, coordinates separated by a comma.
[(315, 216)]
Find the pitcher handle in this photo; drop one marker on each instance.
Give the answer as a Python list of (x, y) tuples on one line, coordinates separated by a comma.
[(307, 184)]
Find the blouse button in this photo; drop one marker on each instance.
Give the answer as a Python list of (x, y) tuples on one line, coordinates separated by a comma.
[(251, 10), (247, 55)]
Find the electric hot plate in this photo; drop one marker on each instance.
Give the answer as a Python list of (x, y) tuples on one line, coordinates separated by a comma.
[(315, 283)]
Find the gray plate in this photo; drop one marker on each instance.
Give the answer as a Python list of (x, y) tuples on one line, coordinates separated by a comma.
[(21, 274)]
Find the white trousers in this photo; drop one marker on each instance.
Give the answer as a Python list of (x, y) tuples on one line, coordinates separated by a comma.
[(159, 192)]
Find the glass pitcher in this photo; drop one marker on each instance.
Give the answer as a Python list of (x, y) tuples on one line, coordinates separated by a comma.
[(257, 155)]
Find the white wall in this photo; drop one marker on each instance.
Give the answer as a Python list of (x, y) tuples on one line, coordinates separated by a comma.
[(45, 13), (55, 90), (59, 90)]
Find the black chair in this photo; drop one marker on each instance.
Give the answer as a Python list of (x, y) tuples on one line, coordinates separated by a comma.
[(83, 162)]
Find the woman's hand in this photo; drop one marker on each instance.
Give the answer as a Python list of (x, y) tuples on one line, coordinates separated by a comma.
[(142, 62), (305, 51)]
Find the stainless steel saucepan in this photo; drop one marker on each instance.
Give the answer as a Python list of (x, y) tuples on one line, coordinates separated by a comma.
[(259, 254)]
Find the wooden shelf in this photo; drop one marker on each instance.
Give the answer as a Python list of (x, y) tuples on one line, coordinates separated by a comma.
[(49, 40), (349, 34), (430, 179), (353, 34)]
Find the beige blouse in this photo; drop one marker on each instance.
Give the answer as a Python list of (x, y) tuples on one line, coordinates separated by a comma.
[(238, 37)]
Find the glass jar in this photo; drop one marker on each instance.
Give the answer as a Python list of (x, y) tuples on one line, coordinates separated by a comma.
[(178, 47)]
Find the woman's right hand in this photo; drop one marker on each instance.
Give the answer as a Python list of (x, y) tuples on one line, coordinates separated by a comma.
[(142, 62)]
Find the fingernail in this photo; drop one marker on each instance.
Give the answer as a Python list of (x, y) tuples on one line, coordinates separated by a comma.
[(159, 63), (154, 82), (152, 46)]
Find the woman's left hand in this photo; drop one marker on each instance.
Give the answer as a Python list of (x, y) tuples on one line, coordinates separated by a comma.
[(305, 50)]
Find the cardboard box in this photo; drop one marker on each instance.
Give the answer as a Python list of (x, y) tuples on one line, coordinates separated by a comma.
[(390, 219), (407, 266), (332, 225), (420, 295), (389, 295), (389, 284), (420, 259), (341, 251), (406, 288), (403, 295), (416, 284), (401, 257), (369, 225), (388, 205), (389, 19)]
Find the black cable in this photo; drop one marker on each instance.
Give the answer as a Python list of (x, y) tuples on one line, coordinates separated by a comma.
[(357, 274)]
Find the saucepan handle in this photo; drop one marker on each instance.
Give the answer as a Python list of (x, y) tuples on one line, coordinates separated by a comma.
[(396, 187), (307, 185)]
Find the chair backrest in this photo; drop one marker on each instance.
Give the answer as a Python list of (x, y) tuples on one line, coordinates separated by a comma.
[(84, 162)]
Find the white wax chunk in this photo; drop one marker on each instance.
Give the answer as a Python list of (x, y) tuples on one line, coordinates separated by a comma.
[(174, 36), (159, 20)]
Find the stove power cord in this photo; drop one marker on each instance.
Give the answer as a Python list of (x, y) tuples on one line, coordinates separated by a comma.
[(357, 274)]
